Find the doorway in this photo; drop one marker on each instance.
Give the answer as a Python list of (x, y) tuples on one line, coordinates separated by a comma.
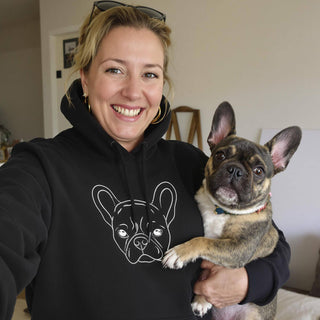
[(63, 77)]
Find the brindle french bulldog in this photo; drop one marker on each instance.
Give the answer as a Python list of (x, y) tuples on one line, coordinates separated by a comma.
[(234, 201)]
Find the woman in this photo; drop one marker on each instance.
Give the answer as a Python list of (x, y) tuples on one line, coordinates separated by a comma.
[(87, 216)]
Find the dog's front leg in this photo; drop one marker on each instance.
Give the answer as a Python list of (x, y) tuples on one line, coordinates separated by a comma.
[(230, 253), (182, 254)]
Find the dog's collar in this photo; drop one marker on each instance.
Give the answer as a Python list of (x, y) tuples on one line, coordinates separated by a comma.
[(219, 210)]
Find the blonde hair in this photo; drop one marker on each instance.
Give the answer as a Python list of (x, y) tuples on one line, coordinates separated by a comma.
[(92, 32)]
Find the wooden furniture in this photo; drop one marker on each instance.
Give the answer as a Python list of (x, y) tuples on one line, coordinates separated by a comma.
[(195, 126)]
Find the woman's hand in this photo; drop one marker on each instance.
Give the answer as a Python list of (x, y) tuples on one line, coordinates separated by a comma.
[(222, 286)]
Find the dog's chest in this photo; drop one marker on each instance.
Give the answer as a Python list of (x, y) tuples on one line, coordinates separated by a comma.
[(213, 223)]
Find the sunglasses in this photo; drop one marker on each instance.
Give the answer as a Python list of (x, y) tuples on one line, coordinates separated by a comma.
[(106, 5)]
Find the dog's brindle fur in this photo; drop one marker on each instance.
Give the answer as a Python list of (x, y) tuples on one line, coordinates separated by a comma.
[(237, 179)]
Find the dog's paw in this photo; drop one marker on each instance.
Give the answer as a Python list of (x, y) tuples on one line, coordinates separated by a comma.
[(171, 260), (200, 306), (180, 255)]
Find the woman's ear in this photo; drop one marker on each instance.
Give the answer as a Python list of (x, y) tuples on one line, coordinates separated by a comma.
[(83, 77)]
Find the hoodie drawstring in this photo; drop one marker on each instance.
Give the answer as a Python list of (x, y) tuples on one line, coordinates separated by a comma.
[(144, 187), (125, 175), (127, 180)]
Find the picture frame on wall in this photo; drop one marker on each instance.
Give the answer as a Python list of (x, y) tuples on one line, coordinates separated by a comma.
[(69, 46)]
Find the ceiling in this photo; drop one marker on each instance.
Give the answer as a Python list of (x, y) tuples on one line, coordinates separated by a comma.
[(18, 11)]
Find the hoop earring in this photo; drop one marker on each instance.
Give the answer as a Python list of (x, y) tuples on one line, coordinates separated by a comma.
[(86, 101), (156, 118), (85, 98)]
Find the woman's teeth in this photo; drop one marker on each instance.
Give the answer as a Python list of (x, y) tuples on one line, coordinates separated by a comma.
[(126, 112)]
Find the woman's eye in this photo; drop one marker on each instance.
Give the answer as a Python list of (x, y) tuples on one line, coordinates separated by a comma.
[(113, 70), (220, 156), (150, 75), (258, 171)]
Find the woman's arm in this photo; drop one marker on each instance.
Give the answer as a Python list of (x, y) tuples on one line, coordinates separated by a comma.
[(222, 286), (24, 208), (268, 274), (257, 282)]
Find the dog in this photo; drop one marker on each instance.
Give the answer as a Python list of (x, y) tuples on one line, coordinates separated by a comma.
[(138, 239), (234, 201)]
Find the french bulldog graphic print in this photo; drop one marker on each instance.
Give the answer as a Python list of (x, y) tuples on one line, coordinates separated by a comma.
[(141, 237)]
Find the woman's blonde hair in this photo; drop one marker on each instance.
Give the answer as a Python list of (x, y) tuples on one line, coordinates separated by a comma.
[(93, 31)]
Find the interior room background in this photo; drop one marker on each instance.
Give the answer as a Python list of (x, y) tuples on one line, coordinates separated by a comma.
[(263, 56)]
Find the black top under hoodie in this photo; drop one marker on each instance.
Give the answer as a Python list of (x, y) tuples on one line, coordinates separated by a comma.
[(84, 225)]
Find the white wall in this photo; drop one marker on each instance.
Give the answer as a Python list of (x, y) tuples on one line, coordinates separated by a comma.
[(57, 18), (296, 207), (21, 109), (260, 55)]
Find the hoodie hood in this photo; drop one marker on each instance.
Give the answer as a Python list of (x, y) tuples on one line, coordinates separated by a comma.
[(87, 125), (84, 122)]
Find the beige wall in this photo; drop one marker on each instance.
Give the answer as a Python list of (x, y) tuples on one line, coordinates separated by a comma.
[(260, 55), (21, 108)]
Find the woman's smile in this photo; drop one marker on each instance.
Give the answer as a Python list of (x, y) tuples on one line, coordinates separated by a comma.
[(124, 83), (130, 112)]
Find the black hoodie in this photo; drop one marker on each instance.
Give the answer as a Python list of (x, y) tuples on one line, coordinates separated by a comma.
[(84, 224)]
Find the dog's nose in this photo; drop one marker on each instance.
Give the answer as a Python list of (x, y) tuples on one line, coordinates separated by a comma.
[(235, 172), (140, 243)]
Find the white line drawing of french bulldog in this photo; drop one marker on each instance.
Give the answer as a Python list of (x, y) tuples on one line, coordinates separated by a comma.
[(141, 239)]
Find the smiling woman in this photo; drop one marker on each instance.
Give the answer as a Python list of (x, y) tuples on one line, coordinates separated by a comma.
[(124, 83), (87, 216)]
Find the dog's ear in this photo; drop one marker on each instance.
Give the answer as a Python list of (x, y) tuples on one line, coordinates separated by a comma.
[(105, 202), (165, 199), (282, 147), (223, 124)]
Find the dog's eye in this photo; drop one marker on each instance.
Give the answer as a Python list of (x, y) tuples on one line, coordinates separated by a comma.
[(122, 233), (220, 156), (258, 171), (158, 232)]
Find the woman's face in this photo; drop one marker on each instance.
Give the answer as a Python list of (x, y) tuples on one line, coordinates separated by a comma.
[(125, 82)]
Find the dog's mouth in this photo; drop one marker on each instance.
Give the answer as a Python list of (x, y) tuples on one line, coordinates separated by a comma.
[(227, 196)]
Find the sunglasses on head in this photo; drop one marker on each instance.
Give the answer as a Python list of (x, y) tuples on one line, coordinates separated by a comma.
[(106, 5)]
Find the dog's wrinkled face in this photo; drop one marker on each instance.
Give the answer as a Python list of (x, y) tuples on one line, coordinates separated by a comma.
[(238, 173)]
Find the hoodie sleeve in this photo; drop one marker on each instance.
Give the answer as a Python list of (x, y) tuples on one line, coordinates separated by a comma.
[(267, 275), (24, 207)]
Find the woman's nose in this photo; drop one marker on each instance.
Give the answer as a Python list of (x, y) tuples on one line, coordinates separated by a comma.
[(132, 88)]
